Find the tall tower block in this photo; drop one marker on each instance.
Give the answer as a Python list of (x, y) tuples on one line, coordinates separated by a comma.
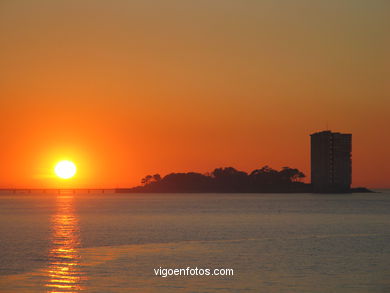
[(331, 163)]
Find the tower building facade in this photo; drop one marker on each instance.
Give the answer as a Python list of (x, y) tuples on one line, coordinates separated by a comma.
[(331, 163)]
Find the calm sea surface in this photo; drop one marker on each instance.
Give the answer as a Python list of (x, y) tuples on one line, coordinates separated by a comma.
[(273, 242)]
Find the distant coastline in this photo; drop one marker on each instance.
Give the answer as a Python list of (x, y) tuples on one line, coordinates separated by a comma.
[(231, 180), (306, 189)]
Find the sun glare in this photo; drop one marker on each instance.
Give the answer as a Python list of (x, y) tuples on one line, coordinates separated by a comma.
[(65, 169)]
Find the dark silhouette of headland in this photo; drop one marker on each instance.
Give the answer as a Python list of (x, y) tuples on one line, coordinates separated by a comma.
[(331, 172), (227, 180)]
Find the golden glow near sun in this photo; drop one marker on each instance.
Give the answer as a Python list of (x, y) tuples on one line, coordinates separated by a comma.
[(65, 169)]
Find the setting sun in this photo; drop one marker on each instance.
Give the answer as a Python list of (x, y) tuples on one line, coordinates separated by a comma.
[(65, 169)]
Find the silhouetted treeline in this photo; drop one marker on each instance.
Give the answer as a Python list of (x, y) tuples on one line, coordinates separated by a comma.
[(226, 180)]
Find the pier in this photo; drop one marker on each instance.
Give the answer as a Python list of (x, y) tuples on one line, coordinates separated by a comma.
[(56, 190)]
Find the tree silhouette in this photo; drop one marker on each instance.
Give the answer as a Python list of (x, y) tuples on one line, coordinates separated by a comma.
[(291, 175), (265, 175), (146, 180), (227, 179)]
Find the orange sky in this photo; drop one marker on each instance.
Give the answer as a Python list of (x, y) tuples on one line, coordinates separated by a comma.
[(128, 88)]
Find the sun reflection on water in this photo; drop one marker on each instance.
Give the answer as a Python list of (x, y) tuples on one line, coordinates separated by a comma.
[(65, 271)]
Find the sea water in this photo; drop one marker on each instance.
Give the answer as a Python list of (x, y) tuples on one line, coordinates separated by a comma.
[(272, 242)]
